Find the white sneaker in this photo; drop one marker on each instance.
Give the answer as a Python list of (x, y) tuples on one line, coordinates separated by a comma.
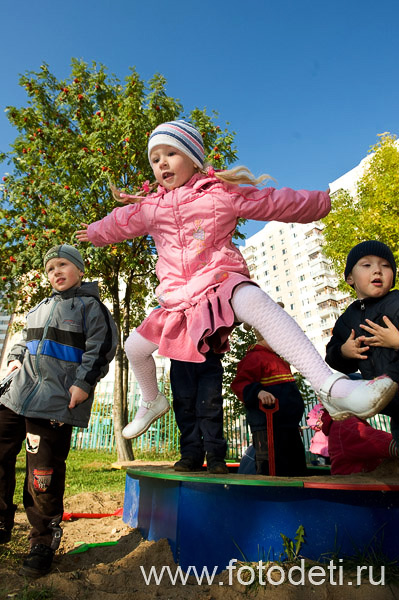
[(365, 400), (140, 424)]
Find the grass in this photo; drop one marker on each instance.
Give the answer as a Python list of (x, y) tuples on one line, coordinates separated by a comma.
[(87, 471)]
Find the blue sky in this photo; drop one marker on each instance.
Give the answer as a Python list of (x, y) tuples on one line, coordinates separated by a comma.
[(306, 85)]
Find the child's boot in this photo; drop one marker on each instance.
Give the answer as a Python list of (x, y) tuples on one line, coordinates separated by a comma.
[(365, 400), (188, 464), (38, 562), (147, 414), (216, 464)]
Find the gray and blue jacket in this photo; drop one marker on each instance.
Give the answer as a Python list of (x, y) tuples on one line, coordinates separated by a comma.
[(69, 339)]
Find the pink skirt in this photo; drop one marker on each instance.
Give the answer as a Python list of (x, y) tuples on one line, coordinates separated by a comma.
[(188, 334)]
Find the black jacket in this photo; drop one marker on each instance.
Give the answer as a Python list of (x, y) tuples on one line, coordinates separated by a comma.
[(380, 361)]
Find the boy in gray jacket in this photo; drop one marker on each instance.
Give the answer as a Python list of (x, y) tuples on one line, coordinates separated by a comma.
[(67, 344)]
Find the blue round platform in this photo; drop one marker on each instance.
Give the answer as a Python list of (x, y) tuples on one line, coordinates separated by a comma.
[(209, 519)]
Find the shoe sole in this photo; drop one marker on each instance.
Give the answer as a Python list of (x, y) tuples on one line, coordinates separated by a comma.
[(33, 573), (215, 472), (144, 429), (194, 470), (379, 406)]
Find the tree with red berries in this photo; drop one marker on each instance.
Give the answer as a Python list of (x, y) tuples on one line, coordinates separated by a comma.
[(74, 138)]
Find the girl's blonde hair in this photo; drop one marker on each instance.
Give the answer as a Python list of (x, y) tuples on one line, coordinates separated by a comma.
[(240, 175), (237, 175)]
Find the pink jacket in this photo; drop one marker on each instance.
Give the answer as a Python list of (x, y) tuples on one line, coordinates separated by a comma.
[(192, 227), (319, 441)]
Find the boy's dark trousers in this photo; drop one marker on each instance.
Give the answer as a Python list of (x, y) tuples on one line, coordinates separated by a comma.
[(47, 448), (198, 406)]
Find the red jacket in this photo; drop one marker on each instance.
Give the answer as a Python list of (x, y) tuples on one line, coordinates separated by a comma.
[(262, 366), (356, 447)]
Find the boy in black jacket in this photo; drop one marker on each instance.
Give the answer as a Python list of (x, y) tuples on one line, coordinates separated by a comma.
[(366, 336)]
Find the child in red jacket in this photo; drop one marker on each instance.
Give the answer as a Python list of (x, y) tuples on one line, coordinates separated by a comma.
[(262, 376)]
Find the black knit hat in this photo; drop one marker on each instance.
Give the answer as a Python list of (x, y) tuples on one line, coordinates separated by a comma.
[(370, 248)]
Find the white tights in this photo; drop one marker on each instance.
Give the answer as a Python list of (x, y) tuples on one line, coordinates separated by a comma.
[(253, 306)]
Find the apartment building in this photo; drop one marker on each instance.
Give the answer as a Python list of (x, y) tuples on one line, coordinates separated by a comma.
[(287, 261)]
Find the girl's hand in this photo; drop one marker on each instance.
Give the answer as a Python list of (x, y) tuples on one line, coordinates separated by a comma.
[(266, 398), (81, 234), (387, 337), (353, 347)]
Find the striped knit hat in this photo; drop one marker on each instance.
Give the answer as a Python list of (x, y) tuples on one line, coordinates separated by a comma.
[(180, 135)]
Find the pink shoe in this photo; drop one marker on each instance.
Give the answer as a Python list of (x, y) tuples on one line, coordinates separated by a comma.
[(142, 421), (366, 399)]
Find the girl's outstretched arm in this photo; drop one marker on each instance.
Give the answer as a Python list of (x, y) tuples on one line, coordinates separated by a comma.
[(81, 234)]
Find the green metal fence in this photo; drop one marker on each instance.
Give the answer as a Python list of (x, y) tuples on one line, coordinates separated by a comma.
[(163, 435)]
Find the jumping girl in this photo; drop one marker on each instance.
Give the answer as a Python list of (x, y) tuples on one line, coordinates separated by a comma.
[(205, 287)]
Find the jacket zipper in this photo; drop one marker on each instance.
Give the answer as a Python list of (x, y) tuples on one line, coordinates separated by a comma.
[(39, 348), (363, 318)]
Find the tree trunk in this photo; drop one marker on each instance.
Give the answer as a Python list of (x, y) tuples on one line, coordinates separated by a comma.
[(123, 447)]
